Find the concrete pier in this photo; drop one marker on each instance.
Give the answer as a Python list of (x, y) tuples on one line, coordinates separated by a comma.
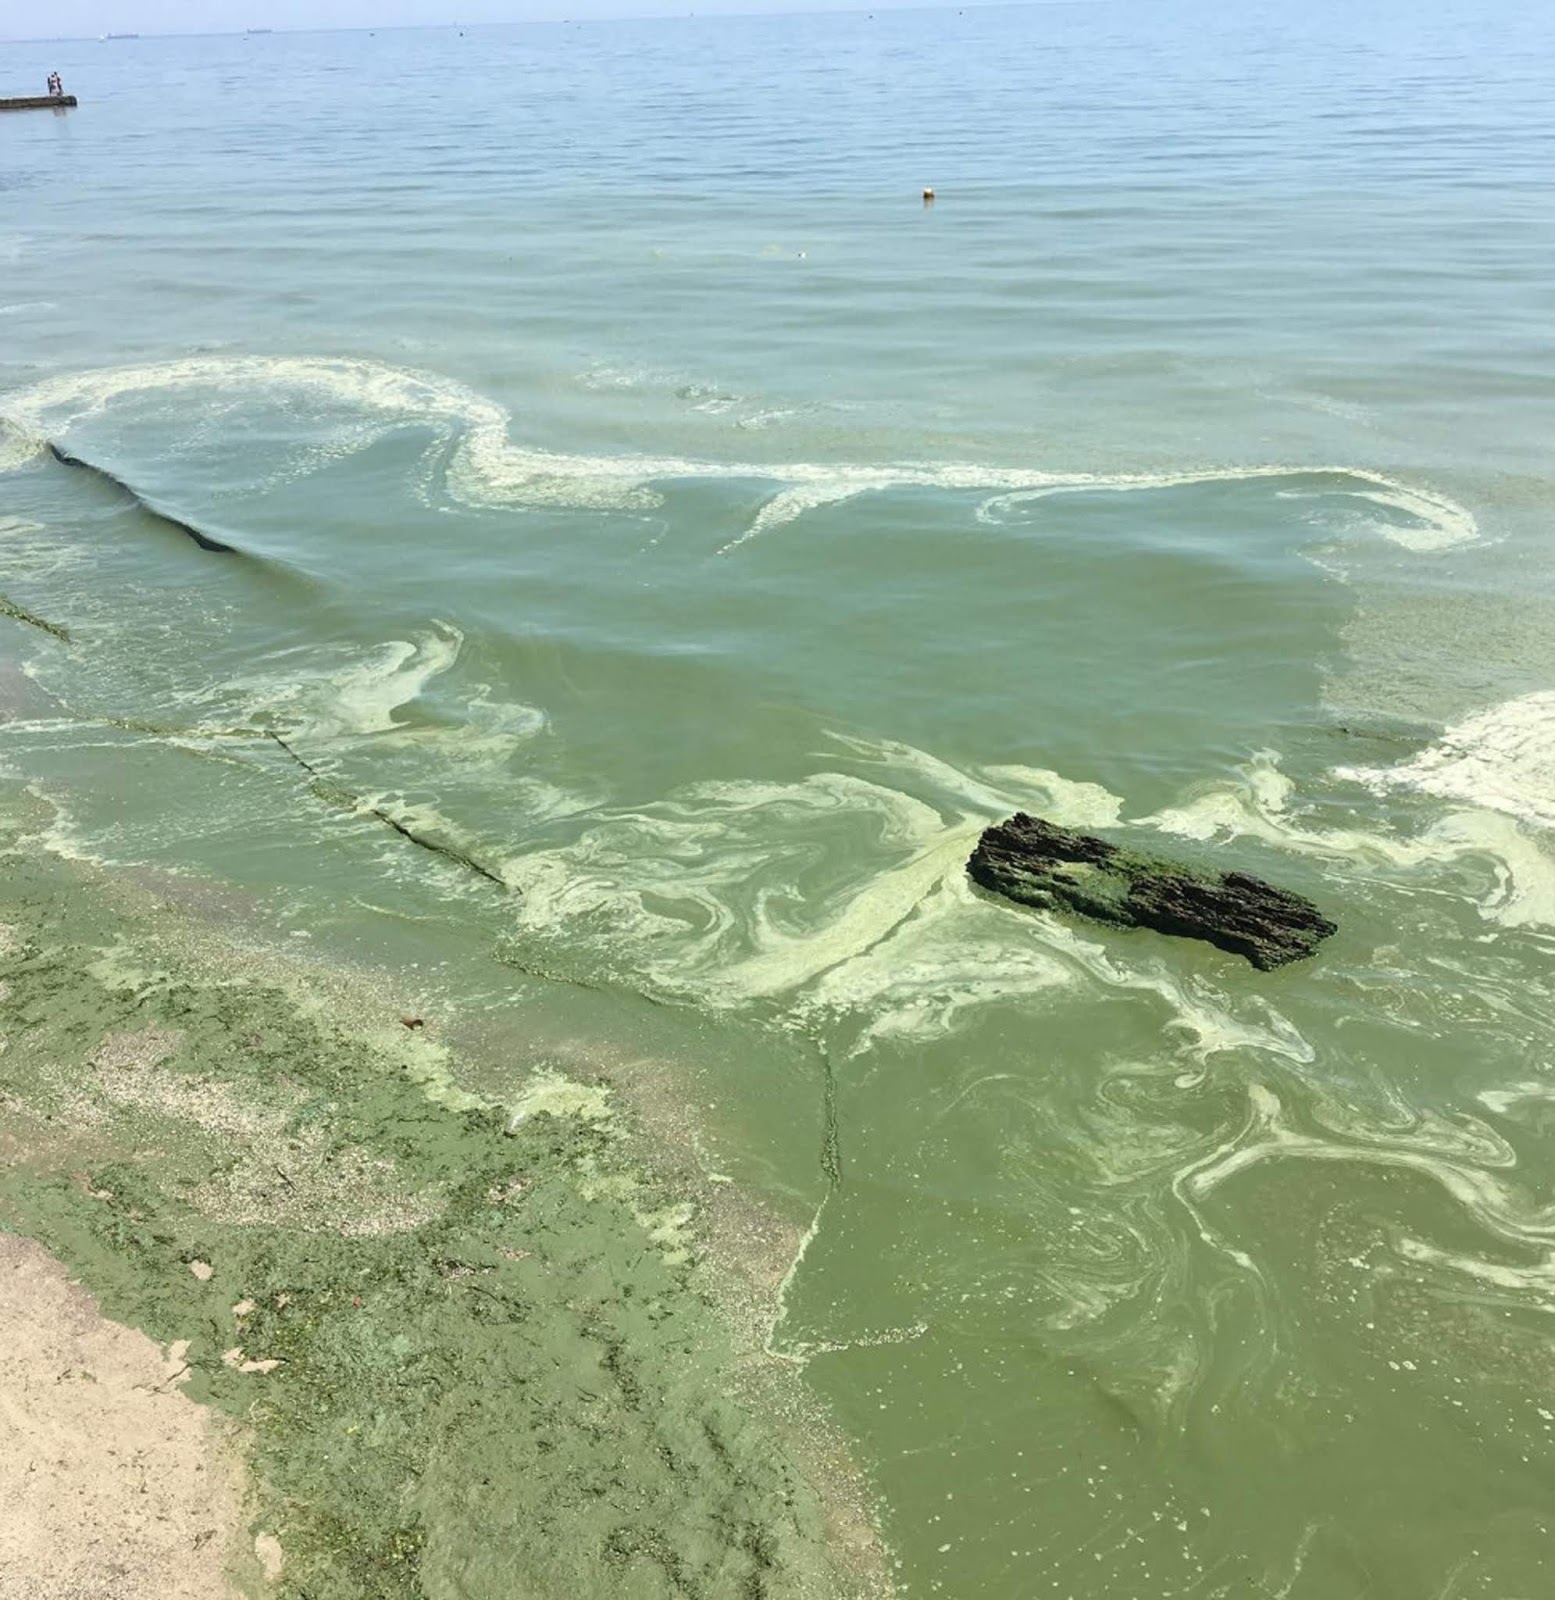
[(38, 102)]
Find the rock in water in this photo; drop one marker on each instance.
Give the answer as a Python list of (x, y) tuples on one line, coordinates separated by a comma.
[(1037, 864)]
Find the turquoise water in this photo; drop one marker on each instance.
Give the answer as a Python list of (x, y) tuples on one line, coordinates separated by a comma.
[(642, 492)]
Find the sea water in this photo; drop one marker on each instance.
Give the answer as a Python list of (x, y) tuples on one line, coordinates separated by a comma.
[(642, 493)]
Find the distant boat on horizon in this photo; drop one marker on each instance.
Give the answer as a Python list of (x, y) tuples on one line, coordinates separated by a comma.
[(108, 36), (259, 30)]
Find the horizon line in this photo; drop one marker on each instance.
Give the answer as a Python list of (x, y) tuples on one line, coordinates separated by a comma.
[(851, 7)]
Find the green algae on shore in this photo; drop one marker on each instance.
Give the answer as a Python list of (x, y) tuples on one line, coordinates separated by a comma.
[(465, 1366)]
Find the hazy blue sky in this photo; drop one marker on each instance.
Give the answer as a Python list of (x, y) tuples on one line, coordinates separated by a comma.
[(21, 19)]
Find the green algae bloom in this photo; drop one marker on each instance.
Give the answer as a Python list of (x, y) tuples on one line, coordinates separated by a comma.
[(460, 1368)]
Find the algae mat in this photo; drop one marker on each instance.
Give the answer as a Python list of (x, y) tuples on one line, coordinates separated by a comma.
[(468, 1354)]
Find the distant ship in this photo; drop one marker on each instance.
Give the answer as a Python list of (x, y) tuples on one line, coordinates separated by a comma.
[(259, 30), (121, 36)]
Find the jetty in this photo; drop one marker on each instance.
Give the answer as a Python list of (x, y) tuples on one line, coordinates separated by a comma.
[(38, 102)]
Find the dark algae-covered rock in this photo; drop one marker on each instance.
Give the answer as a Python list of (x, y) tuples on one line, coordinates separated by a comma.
[(1038, 864)]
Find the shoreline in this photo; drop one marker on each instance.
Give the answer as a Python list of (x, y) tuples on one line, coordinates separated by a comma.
[(466, 1349)]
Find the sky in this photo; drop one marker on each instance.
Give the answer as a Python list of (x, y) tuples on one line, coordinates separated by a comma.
[(32, 19)]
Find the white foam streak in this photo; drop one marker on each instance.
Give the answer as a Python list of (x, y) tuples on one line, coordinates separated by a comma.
[(792, 504), (947, 954), (367, 695), (799, 1354), (357, 693), (988, 791), (1538, 1279), (1525, 893), (1503, 1101), (17, 447), (1501, 759), (1438, 523)]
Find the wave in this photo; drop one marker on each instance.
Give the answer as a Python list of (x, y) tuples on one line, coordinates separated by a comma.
[(151, 509), (355, 401)]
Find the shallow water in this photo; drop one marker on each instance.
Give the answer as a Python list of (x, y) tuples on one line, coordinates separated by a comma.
[(640, 492)]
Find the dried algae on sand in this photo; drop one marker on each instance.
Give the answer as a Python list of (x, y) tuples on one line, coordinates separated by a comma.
[(461, 1364)]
